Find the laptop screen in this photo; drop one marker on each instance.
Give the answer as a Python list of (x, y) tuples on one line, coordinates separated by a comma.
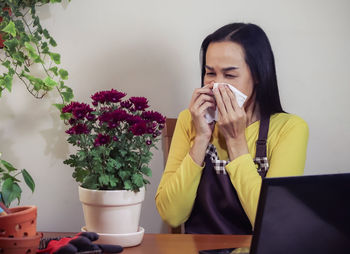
[(303, 214)]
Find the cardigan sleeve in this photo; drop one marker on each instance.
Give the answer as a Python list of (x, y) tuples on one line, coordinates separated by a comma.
[(287, 155), (178, 186)]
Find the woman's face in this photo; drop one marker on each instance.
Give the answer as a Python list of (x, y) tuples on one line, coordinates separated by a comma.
[(225, 63)]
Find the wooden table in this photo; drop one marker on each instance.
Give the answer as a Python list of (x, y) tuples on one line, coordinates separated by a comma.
[(180, 243)]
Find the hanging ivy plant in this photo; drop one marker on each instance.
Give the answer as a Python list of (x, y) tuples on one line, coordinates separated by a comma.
[(27, 47)]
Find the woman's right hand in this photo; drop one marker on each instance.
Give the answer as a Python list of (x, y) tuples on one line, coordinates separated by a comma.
[(202, 99)]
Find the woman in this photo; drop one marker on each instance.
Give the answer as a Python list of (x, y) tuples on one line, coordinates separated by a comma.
[(213, 177)]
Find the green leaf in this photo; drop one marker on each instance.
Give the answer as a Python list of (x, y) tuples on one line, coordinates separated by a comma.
[(113, 181), (36, 21), (123, 152), (8, 166), (10, 29), (65, 116), (137, 179), (79, 174), (7, 64), (63, 74), (49, 82), (52, 42), (147, 171), (54, 70), (10, 191), (59, 106), (68, 96), (19, 57), (29, 47), (123, 174), (37, 83), (90, 182), (11, 44), (28, 179), (118, 165), (19, 25), (103, 180), (127, 185), (6, 82), (32, 53), (56, 57), (46, 34)]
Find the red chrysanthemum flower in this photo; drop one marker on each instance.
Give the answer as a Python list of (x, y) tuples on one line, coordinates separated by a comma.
[(153, 116), (101, 140), (78, 129), (140, 103), (107, 96), (139, 128)]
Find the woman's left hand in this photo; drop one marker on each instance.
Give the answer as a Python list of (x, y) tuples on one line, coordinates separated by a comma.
[(232, 120)]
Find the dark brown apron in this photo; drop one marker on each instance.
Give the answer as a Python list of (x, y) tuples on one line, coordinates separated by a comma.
[(217, 209)]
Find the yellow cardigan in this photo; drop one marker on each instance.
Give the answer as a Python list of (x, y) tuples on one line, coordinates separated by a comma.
[(286, 152)]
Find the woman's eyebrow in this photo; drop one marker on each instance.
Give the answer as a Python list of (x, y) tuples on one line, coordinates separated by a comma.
[(209, 68), (230, 68), (223, 69)]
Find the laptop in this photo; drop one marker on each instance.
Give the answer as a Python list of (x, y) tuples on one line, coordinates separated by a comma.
[(301, 215)]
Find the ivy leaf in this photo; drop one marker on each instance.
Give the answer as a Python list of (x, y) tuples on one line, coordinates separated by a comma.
[(36, 21), (10, 29), (37, 83), (46, 34), (54, 70), (28, 179), (56, 58), (52, 42), (59, 106), (10, 191), (19, 56), (7, 64), (11, 44), (19, 26), (65, 116), (63, 74), (49, 82), (68, 95), (29, 47), (8, 166), (7, 82)]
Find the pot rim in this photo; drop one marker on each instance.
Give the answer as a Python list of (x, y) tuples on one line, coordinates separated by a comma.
[(23, 210)]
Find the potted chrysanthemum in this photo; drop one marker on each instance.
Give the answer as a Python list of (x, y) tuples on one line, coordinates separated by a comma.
[(113, 137)]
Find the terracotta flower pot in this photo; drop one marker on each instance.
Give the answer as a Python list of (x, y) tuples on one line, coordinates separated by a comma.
[(20, 245), (20, 223)]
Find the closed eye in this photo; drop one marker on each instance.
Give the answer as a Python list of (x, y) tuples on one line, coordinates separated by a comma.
[(210, 73)]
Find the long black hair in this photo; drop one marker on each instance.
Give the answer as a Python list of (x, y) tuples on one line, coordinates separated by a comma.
[(258, 56)]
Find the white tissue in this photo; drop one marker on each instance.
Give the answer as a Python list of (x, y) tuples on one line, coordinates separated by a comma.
[(212, 115)]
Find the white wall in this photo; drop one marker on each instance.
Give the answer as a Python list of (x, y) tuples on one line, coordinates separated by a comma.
[(151, 48)]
